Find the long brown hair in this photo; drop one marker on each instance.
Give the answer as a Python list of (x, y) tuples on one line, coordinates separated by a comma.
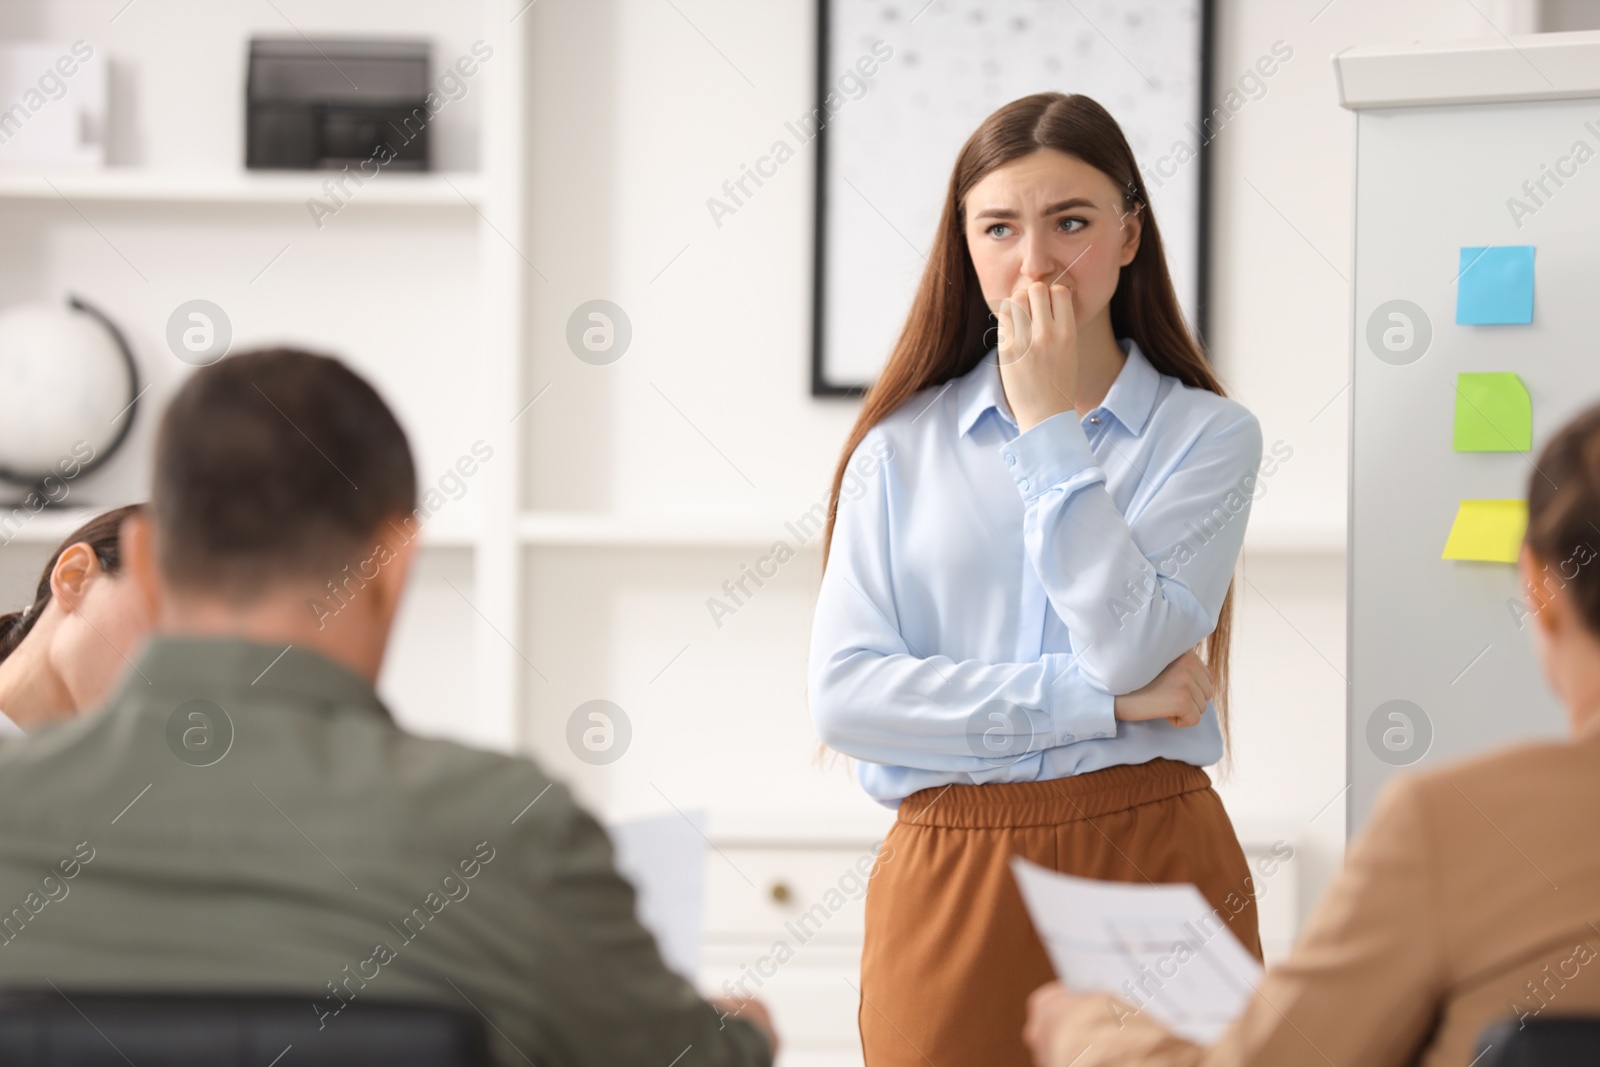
[(944, 334), (100, 534)]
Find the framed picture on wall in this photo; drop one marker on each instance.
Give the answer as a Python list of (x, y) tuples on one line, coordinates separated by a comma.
[(901, 84)]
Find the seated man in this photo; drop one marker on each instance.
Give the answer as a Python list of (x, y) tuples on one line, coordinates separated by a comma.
[(1470, 897), (244, 814)]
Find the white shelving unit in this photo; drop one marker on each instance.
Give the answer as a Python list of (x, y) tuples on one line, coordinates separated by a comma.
[(174, 216)]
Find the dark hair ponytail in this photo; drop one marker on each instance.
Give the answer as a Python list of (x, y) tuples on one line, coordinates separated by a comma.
[(100, 534), (1563, 502)]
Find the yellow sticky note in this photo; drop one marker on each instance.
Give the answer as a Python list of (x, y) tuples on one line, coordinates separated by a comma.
[(1489, 530)]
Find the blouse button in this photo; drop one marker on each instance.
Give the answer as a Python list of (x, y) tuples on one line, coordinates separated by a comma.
[(1023, 483), (1095, 419), (1011, 459)]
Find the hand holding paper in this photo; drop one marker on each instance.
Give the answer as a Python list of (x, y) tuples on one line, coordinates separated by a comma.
[(1161, 948)]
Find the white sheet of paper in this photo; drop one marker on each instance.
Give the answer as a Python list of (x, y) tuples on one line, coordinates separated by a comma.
[(664, 856), (1161, 948)]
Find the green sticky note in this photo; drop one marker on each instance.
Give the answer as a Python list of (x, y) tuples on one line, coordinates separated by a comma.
[(1493, 413), (1487, 530)]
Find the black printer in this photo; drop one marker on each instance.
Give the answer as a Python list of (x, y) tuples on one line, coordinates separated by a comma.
[(327, 103)]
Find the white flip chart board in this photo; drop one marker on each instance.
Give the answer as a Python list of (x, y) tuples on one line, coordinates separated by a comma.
[(1456, 145)]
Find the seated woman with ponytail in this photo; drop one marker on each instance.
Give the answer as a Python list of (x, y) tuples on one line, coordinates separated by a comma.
[(61, 653)]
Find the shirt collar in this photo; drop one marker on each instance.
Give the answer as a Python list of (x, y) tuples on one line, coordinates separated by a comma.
[(229, 665), (977, 391), (1131, 397)]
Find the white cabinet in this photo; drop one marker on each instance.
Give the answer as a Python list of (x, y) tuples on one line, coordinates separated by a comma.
[(783, 922)]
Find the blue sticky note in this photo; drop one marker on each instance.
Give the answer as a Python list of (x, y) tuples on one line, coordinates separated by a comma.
[(1496, 285)]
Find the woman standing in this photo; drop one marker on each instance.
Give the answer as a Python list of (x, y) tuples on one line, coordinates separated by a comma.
[(1047, 506)]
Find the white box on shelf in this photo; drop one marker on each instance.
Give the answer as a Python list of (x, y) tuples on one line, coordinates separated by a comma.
[(52, 104)]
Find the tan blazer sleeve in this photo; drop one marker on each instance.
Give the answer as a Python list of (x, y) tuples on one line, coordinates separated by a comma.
[(1360, 989)]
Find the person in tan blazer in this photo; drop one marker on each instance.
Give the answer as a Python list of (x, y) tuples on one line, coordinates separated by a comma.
[(1473, 894)]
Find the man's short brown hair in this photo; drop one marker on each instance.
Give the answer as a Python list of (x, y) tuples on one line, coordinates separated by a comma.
[(274, 466)]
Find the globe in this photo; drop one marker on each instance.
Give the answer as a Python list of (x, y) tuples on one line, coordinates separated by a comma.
[(64, 378)]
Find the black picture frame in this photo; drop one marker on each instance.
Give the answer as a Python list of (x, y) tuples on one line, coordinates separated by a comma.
[(821, 386)]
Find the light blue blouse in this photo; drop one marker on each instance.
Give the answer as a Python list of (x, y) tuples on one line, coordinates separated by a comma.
[(987, 592)]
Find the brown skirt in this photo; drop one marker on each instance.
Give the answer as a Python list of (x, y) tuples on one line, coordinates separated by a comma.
[(950, 955)]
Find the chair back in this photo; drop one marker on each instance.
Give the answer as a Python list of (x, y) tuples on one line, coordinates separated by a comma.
[(100, 1029), (1553, 1041)]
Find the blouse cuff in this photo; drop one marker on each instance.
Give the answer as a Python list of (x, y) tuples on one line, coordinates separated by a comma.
[(1079, 711), (1053, 454)]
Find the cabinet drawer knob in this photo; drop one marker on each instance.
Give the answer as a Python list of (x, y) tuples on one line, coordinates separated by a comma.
[(780, 892)]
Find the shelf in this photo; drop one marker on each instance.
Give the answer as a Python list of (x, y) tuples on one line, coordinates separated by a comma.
[(860, 826), (598, 529), (1296, 538), (20, 527), (740, 828), (575, 529), (50, 526), (133, 185)]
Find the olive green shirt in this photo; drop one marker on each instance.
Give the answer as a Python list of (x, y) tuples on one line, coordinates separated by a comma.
[(249, 817)]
